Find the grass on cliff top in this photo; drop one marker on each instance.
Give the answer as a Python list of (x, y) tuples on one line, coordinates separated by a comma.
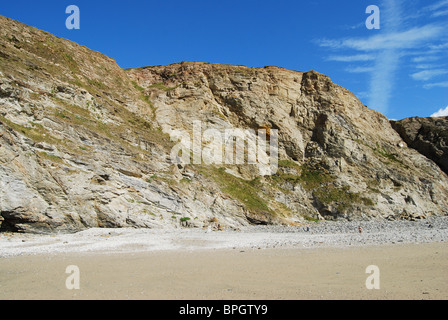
[(47, 53), (50, 57)]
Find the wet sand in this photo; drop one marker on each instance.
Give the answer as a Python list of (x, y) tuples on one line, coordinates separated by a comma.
[(407, 271)]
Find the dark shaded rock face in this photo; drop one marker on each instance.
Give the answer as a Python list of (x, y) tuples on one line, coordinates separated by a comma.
[(429, 136)]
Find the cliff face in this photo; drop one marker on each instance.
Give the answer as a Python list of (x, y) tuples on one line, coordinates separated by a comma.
[(84, 144), (429, 136)]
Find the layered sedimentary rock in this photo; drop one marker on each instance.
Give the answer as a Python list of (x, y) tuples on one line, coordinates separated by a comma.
[(84, 143)]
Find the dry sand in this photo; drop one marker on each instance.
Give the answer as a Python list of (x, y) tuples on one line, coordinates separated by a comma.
[(407, 271)]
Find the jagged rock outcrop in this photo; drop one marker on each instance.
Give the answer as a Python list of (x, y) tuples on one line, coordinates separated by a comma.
[(84, 143), (429, 136)]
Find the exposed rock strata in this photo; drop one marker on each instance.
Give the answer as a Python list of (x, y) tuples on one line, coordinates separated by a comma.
[(84, 143)]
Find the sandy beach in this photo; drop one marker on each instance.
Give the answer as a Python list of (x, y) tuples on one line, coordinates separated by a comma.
[(196, 264), (412, 271)]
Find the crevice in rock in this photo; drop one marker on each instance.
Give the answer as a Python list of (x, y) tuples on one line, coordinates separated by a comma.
[(7, 223)]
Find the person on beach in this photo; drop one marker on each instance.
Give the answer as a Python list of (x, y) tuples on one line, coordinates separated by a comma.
[(360, 229)]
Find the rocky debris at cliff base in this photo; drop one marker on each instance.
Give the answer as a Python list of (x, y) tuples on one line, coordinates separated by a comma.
[(322, 234)]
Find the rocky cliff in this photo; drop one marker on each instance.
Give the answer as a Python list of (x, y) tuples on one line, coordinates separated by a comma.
[(84, 143), (429, 136)]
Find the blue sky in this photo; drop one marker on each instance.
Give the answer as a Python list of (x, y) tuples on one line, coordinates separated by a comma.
[(400, 69)]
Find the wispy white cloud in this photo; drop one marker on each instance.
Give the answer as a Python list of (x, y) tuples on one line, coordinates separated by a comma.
[(383, 79), (427, 66), (438, 47), (360, 69), (395, 40), (400, 37), (441, 113), (428, 58), (426, 75), (440, 13), (352, 58), (442, 84), (436, 6), (437, 9)]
